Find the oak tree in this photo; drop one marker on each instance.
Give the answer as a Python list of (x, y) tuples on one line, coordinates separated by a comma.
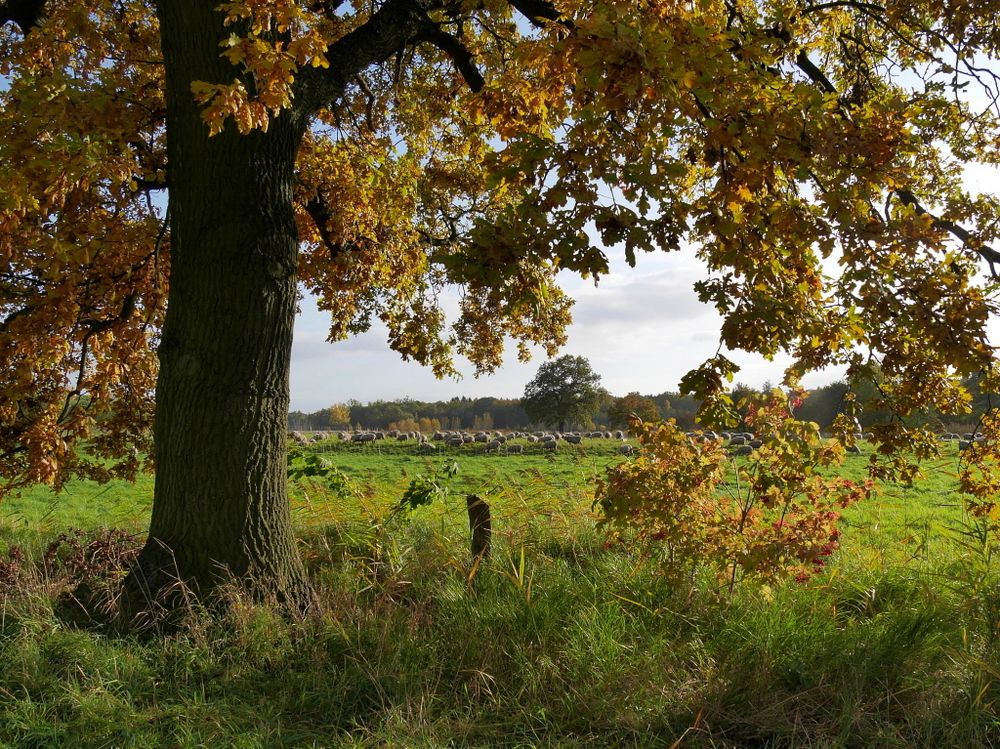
[(564, 392), (621, 410), (810, 152)]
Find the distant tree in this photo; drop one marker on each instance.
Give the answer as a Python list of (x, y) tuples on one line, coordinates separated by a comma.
[(298, 421), (340, 415), (428, 424), (742, 395), (680, 407), (823, 404), (564, 391), (483, 421), (642, 406), (405, 425)]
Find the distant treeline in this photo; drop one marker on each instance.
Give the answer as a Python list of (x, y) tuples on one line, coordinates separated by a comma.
[(824, 403), (466, 413), (821, 405)]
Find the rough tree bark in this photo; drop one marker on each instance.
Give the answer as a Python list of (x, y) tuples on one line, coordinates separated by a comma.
[(220, 508)]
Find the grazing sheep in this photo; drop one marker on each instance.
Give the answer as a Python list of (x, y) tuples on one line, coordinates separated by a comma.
[(853, 450), (455, 442), (364, 437), (492, 446), (619, 435), (626, 449), (550, 445), (531, 438), (515, 449), (737, 439), (743, 450), (426, 447)]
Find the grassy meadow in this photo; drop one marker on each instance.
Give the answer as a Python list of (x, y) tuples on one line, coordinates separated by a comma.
[(556, 641)]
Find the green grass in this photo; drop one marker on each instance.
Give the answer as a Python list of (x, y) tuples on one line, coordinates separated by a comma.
[(557, 641)]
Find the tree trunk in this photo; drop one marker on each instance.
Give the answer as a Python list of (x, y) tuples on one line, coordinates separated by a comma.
[(220, 507)]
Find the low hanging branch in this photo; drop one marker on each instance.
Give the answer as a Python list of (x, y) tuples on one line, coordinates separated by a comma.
[(992, 256)]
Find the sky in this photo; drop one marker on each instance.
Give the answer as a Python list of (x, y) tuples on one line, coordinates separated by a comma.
[(641, 329)]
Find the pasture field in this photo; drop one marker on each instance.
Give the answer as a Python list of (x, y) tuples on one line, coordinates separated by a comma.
[(556, 641), (905, 522)]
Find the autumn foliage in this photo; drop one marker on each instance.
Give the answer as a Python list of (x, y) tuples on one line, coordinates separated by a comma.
[(692, 506), (810, 154)]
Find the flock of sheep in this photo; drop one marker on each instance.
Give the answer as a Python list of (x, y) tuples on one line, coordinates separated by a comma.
[(740, 443), (491, 441), (964, 440)]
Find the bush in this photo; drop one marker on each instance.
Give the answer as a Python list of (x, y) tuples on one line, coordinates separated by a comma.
[(688, 503)]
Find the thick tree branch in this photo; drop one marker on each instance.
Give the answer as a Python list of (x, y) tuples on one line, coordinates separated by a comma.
[(816, 75), (27, 14), (458, 52), (319, 212), (381, 36), (815, 8), (20, 312), (539, 12), (393, 26)]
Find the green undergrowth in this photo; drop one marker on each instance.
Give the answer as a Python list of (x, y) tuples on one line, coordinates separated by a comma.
[(555, 641)]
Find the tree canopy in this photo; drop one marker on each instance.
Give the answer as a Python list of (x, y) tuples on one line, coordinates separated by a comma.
[(623, 409), (809, 153), (564, 392)]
